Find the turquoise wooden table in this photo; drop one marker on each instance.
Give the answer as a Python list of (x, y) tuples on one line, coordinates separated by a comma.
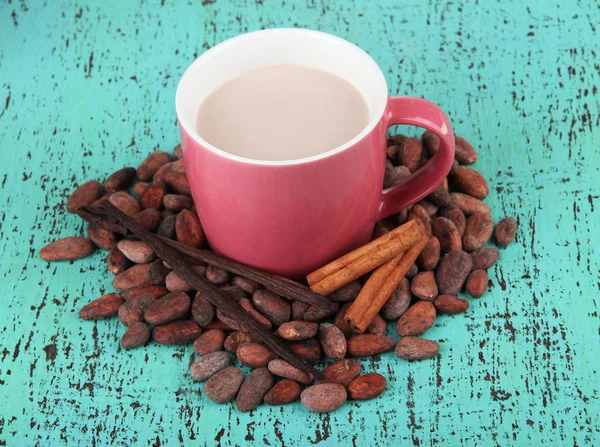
[(86, 87)]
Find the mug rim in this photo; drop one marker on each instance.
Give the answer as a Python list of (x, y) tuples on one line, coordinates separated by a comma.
[(191, 132)]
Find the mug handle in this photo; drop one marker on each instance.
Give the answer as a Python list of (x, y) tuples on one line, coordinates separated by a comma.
[(422, 113)]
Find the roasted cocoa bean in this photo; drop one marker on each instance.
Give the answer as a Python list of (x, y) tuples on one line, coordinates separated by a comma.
[(149, 219), (430, 256), (323, 397), (119, 180), (253, 389), (367, 387), (132, 311), (158, 272), (340, 320), (478, 231), (316, 313), (104, 307), (476, 283), (176, 283), (417, 319), (447, 234), (85, 194), (342, 372), (332, 341), (167, 227), (415, 348), (452, 272), (506, 231), (451, 305), (254, 355), (431, 142), (457, 217), (176, 333), (136, 335), (116, 262), (378, 326), (156, 291), (347, 293), (216, 275), (125, 202), (236, 339), (209, 341), (188, 229), (139, 187), (469, 205), (137, 251), (369, 344), (282, 368), (151, 164), (395, 175), (298, 330), (409, 154), (423, 286), (308, 350), (67, 249), (484, 258), (247, 285), (101, 237), (202, 310), (471, 182), (284, 392), (223, 385), (169, 308), (208, 364), (233, 292), (464, 152), (153, 195), (136, 276), (276, 309), (177, 202)]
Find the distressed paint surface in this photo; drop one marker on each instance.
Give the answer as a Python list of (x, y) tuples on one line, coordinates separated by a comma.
[(87, 87)]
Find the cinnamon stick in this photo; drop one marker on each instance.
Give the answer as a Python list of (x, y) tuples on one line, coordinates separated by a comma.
[(380, 286), (277, 284), (224, 303), (408, 231), (370, 261)]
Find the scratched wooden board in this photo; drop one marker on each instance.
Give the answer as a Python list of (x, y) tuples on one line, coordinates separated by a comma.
[(87, 87)]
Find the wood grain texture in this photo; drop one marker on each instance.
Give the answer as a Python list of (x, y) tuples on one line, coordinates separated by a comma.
[(88, 87)]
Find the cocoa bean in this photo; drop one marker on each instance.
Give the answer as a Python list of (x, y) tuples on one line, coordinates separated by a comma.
[(202, 310), (340, 320), (137, 251), (136, 276), (216, 275), (451, 305), (308, 350), (316, 313), (277, 310), (469, 205), (283, 369), (332, 341), (136, 335), (167, 227), (229, 321), (415, 348), (85, 194), (378, 326), (168, 170), (284, 392), (153, 195), (431, 208), (253, 389), (298, 330), (120, 180), (440, 195), (132, 311), (247, 285), (254, 355), (116, 262), (342, 372), (409, 154), (464, 152), (454, 168), (139, 187), (402, 216), (506, 231), (324, 397), (169, 308), (223, 385), (149, 219), (398, 302), (396, 139), (457, 217), (151, 164), (447, 234), (249, 308), (431, 142), (158, 272), (452, 272), (125, 202), (208, 364), (177, 202), (430, 256), (100, 237), (369, 344), (417, 212), (417, 319), (104, 307), (188, 229), (216, 324), (423, 286), (233, 291), (395, 175), (176, 333), (484, 258), (156, 291), (236, 339), (476, 283), (412, 271), (347, 293), (298, 309), (380, 229), (209, 341), (471, 182), (67, 249), (178, 152), (367, 387), (176, 283), (478, 232), (392, 153)]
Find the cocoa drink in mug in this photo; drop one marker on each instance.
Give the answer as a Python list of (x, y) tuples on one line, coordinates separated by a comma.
[(284, 136)]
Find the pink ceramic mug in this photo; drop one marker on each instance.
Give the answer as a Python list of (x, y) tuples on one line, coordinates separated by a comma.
[(291, 217)]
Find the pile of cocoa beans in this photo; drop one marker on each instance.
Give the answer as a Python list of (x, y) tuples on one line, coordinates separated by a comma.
[(155, 303)]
